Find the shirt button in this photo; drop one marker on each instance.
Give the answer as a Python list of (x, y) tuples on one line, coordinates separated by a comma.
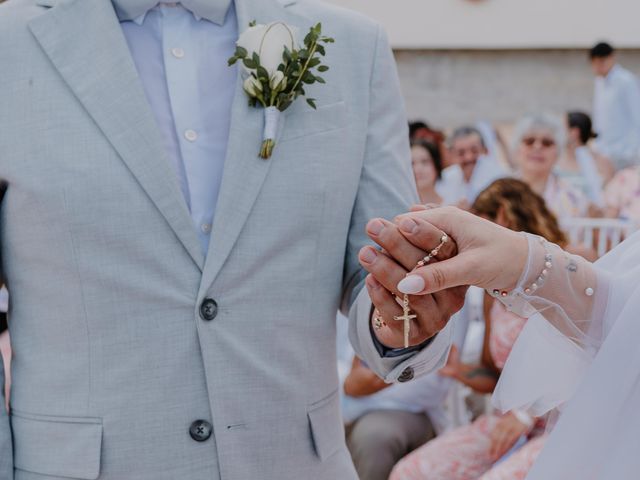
[(191, 135), (200, 430), (177, 52), (205, 227), (209, 309)]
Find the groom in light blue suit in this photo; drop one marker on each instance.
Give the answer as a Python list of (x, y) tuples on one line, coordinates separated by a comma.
[(173, 296)]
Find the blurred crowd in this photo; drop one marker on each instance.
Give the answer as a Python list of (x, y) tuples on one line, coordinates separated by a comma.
[(549, 173)]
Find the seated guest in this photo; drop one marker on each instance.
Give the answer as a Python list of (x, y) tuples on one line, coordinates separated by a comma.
[(419, 130), (386, 422), (473, 451), (616, 107), (538, 142), (581, 166), (622, 195), (471, 170), (427, 170)]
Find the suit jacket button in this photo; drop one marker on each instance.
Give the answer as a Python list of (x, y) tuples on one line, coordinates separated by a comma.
[(208, 309), (406, 375), (200, 430)]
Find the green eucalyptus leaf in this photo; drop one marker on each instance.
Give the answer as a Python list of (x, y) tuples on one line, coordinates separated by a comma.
[(308, 39), (308, 78), (323, 68), (314, 62), (320, 79), (241, 52), (320, 49), (262, 73), (250, 63), (256, 58), (312, 103)]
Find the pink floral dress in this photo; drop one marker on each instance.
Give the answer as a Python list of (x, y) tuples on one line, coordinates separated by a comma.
[(623, 194), (464, 453), (565, 200)]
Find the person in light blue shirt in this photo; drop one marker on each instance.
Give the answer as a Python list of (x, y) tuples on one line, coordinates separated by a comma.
[(616, 108)]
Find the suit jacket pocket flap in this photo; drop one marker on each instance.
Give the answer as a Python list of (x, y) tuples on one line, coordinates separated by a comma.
[(326, 426), (59, 446)]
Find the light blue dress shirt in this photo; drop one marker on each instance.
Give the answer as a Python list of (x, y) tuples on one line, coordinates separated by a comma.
[(616, 116), (181, 58)]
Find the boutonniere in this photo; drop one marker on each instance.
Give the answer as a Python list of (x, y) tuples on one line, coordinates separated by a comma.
[(276, 70)]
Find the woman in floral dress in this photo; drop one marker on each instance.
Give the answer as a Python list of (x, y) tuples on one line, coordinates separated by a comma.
[(622, 195)]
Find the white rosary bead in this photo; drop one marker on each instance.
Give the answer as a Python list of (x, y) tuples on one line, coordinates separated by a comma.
[(589, 292)]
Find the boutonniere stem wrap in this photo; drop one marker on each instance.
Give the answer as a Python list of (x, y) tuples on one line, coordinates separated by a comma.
[(276, 70)]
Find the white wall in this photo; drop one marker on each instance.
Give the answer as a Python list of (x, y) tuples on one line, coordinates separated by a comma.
[(504, 24)]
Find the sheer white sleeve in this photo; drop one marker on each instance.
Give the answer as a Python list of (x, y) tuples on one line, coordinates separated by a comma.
[(564, 297)]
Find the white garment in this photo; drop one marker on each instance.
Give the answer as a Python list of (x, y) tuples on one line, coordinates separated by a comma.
[(453, 188), (598, 371), (616, 116), (424, 394)]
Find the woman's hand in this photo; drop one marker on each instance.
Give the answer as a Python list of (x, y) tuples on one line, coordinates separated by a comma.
[(489, 256), (505, 434)]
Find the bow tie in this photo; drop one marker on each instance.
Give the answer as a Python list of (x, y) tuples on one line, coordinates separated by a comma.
[(213, 10)]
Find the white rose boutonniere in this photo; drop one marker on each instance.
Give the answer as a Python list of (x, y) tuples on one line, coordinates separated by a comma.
[(276, 70)]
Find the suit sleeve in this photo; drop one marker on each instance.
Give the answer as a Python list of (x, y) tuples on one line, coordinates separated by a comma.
[(6, 447), (387, 188)]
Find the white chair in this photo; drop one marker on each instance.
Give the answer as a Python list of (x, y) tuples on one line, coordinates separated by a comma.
[(602, 234)]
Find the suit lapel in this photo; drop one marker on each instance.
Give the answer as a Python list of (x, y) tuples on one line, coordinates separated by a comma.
[(85, 43), (244, 171)]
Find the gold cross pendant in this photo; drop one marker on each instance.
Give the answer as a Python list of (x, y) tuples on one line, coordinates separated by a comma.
[(406, 317)]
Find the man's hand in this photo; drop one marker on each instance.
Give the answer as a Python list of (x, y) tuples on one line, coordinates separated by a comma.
[(389, 266), (361, 381)]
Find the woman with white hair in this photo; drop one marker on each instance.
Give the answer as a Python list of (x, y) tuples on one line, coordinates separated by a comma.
[(537, 144)]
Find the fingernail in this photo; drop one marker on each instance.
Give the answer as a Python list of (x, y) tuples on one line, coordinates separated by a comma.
[(368, 255), (375, 227), (411, 284), (408, 225)]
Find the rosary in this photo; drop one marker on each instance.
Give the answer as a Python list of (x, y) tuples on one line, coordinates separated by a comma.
[(407, 315)]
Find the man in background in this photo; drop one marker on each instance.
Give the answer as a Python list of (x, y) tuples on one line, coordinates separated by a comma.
[(472, 169), (616, 108)]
